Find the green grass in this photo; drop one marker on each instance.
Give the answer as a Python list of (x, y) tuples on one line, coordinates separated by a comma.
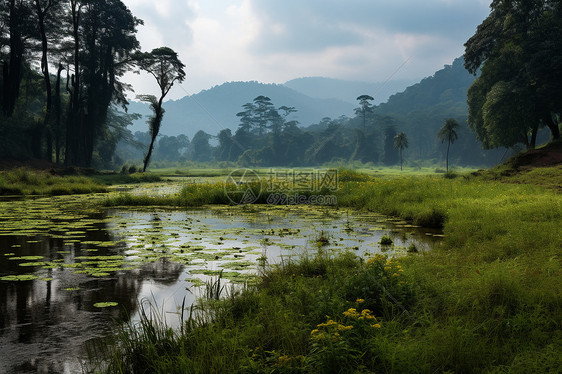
[(488, 299), (26, 182)]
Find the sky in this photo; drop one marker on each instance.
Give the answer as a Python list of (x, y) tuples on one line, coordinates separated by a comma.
[(273, 41)]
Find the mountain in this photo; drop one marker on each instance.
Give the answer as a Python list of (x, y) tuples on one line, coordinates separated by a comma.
[(447, 88), (421, 109), (215, 109), (348, 91)]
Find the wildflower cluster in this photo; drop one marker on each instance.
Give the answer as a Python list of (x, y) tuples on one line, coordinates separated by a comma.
[(329, 330), (366, 315), (393, 267), (378, 258)]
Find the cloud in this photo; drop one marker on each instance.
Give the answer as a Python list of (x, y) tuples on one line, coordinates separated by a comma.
[(296, 25), (277, 40), (166, 22)]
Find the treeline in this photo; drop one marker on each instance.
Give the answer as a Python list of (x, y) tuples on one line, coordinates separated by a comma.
[(61, 85), (271, 136)]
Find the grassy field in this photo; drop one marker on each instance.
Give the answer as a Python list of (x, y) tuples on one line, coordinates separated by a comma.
[(489, 299)]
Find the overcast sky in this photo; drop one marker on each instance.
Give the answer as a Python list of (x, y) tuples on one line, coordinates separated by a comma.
[(273, 41)]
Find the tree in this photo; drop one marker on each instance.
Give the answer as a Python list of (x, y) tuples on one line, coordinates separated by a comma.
[(200, 148), (365, 108), (518, 48), (401, 143), (165, 66), (17, 20), (390, 155), (448, 134), (103, 43)]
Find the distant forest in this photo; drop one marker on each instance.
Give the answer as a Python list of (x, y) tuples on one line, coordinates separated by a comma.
[(270, 135)]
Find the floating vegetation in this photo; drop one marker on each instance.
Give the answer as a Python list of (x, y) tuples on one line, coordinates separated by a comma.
[(19, 278), (106, 304), (28, 258), (30, 264), (386, 240)]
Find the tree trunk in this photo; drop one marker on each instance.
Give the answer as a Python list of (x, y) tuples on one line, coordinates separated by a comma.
[(534, 132), (12, 70), (553, 126), (447, 163), (74, 120), (57, 119), (148, 155), (46, 77)]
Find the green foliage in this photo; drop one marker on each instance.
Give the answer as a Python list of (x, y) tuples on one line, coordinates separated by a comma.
[(386, 240), (350, 175), (401, 143), (27, 182), (517, 49)]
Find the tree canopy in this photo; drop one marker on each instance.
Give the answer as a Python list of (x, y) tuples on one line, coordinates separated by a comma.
[(518, 51)]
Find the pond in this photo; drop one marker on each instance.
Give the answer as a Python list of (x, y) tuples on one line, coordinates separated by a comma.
[(68, 274)]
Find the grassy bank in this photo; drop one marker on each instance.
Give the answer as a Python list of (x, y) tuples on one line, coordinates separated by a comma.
[(27, 182), (489, 299)]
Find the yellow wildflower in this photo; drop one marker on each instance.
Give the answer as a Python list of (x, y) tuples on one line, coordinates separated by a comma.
[(344, 328), (360, 301), (351, 312), (376, 326)]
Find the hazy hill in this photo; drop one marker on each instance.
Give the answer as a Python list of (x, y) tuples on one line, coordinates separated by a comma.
[(422, 109), (215, 109), (348, 91), (447, 88)]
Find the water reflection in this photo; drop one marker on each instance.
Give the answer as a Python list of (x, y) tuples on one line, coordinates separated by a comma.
[(45, 322)]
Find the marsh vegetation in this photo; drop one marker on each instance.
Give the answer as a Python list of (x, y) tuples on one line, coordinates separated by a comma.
[(290, 288)]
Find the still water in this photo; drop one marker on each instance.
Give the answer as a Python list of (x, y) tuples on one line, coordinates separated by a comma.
[(68, 275)]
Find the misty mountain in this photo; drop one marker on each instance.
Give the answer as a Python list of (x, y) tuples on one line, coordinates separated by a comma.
[(215, 109), (445, 91), (348, 91), (421, 110)]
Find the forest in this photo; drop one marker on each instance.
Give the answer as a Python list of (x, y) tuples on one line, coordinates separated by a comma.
[(268, 135), (61, 85)]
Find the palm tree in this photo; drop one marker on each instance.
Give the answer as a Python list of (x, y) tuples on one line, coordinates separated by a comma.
[(400, 143), (448, 134)]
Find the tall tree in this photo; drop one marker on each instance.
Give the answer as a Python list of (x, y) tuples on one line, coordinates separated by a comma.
[(390, 155), (44, 13), (448, 133), (165, 66), (365, 108), (18, 23), (401, 143), (264, 113)]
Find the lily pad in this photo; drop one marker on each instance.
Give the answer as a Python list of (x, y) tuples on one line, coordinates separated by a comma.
[(19, 278), (106, 304)]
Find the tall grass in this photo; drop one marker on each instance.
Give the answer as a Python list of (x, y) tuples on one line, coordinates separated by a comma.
[(27, 182)]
